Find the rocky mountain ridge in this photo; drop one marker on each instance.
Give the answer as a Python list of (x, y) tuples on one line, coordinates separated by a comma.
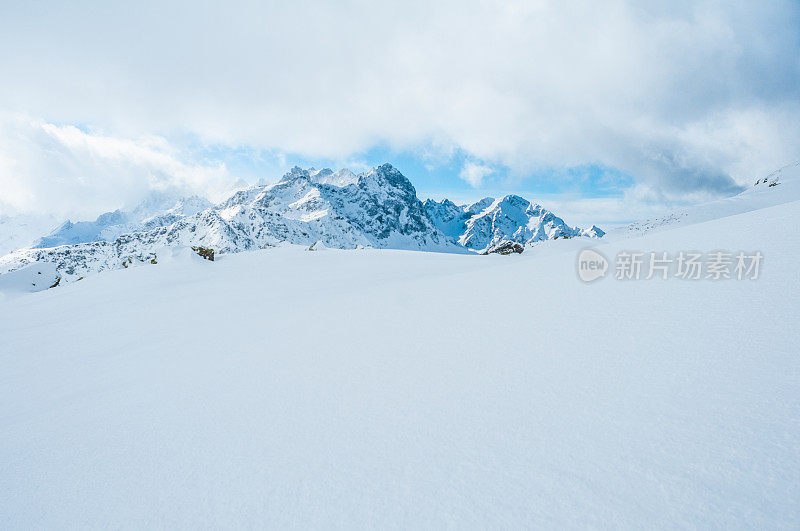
[(340, 209), (490, 222)]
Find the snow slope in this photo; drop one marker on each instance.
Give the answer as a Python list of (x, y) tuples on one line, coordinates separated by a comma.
[(389, 389), (29, 279), (780, 186)]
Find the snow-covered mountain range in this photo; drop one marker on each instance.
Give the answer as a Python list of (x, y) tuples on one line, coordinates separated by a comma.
[(489, 222), (340, 209), (158, 210)]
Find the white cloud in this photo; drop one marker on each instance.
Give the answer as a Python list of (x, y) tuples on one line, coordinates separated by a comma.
[(474, 173), (683, 95), (66, 171)]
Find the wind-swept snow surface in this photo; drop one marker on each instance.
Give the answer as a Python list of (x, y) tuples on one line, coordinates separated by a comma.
[(396, 389)]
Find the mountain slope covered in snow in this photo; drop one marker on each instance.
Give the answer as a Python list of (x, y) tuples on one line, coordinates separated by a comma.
[(780, 186), (382, 388), (157, 210), (486, 223)]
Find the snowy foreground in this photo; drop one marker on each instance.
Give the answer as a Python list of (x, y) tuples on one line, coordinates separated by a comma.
[(374, 389)]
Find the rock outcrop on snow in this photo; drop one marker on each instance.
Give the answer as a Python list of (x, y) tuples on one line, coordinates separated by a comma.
[(505, 248)]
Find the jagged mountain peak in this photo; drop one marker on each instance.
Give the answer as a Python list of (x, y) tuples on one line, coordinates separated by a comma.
[(479, 206), (593, 232), (387, 180), (342, 177), (486, 223), (384, 176), (296, 173), (513, 199), (444, 202)]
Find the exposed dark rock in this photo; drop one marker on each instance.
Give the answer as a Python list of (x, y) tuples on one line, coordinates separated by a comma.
[(505, 248)]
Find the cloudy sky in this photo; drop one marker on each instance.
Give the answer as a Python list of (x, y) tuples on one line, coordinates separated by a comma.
[(607, 110)]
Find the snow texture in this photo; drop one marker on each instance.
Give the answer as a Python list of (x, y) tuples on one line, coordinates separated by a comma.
[(283, 388)]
